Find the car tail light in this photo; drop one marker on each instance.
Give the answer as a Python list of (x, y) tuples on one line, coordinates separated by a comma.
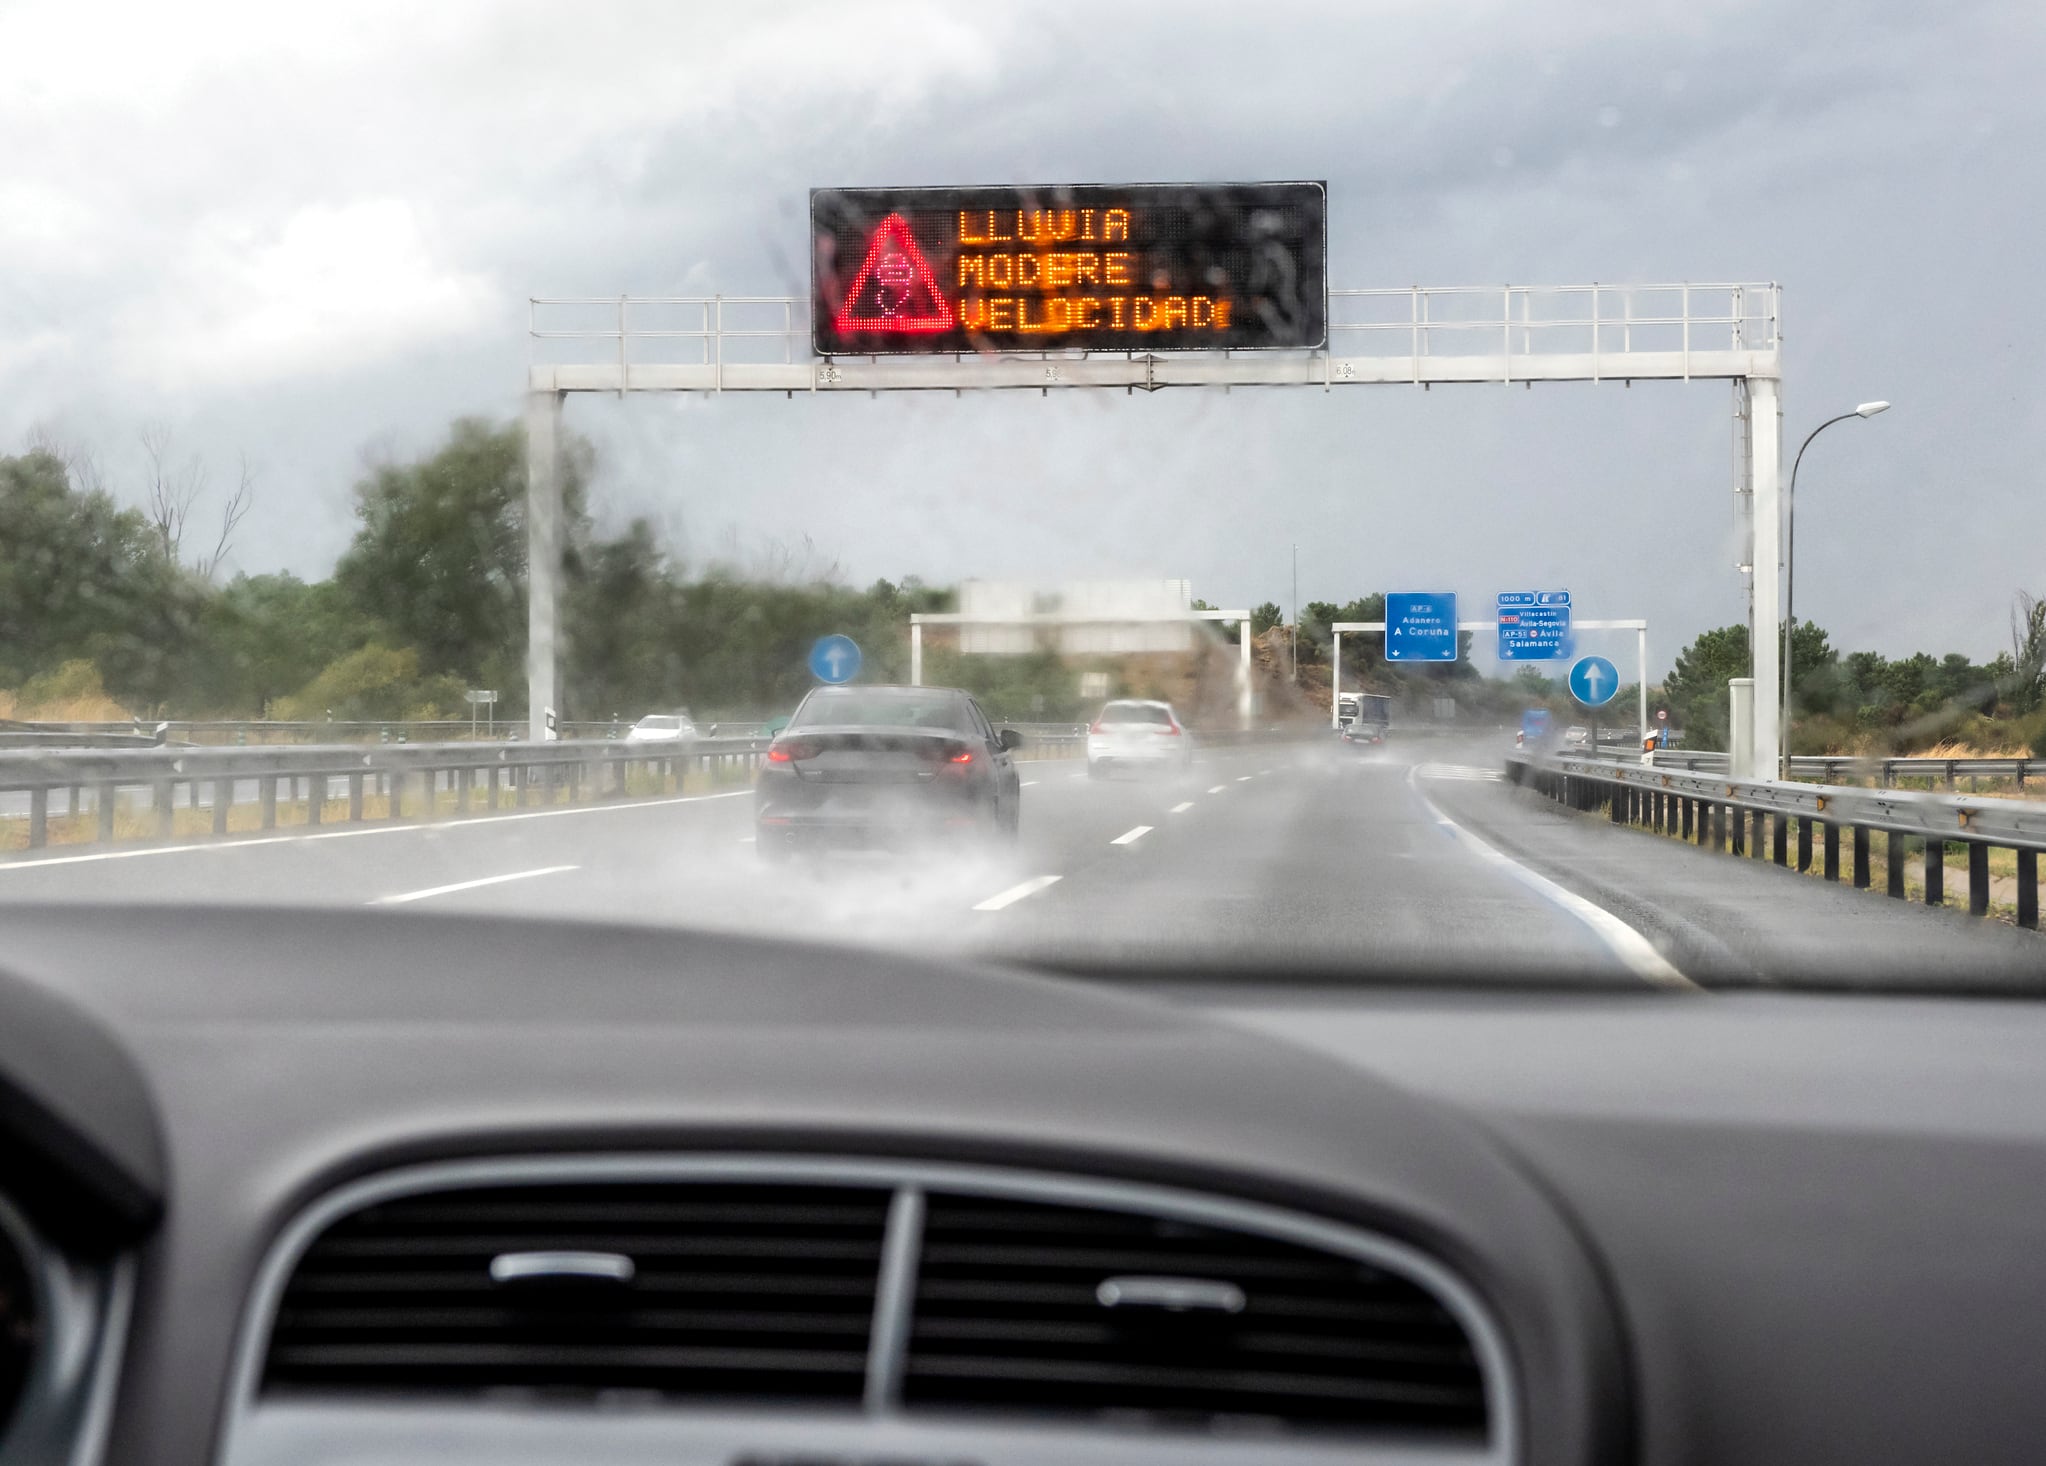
[(964, 756), (1095, 726), (1172, 730), (791, 750)]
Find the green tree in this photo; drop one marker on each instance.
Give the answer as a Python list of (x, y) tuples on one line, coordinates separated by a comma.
[(1263, 618), (1696, 687), (82, 578), (439, 554)]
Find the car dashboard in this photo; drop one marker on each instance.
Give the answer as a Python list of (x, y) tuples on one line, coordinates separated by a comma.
[(325, 1187)]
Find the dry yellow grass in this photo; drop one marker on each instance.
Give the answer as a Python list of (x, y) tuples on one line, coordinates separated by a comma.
[(89, 709)]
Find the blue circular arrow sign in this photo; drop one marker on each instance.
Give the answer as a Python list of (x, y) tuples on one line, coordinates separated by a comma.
[(1594, 681), (835, 659)]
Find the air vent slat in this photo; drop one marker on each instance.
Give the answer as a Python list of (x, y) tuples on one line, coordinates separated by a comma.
[(1009, 1316), (736, 1290)]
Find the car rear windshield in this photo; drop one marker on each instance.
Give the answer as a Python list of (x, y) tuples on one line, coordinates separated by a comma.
[(867, 708), (1136, 712), (660, 722)]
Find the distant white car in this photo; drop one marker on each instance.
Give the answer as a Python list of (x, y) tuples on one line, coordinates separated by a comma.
[(1137, 733), (1577, 735), (663, 728)]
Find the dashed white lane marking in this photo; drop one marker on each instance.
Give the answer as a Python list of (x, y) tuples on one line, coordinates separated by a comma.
[(1016, 893), (460, 822), (1218, 788), (1183, 807), (1028, 782), (1263, 772), (1635, 951), (1245, 778), (1130, 837), (1461, 771), (747, 839), (517, 875)]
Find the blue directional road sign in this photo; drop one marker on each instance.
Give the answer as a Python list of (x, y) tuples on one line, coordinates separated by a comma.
[(1594, 681), (835, 659), (1534, 625), (1420, 626)]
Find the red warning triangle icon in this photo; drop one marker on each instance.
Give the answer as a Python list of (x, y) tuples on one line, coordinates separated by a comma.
[(895, 289)]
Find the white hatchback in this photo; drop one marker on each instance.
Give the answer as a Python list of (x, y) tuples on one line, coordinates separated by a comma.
[(1136, 733), (663, 728)]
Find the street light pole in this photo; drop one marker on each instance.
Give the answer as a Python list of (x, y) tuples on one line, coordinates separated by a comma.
[(1867, 409)]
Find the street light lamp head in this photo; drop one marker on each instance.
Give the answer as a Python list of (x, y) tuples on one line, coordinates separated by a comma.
[(1870, 409)]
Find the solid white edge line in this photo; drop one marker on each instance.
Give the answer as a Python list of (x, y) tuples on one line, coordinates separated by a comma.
[(517, 875), (1634, 950), (1182, 808), (410, 827), (1130, 837), (1016, 893)]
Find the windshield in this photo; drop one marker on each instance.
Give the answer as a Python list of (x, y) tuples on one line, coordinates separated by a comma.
[(1565, 483), (1135, 712), (851, 708)]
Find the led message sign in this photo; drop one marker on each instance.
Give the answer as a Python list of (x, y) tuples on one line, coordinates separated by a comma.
[(1140, 267)]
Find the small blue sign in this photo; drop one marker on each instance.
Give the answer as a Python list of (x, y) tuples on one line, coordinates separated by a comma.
[(1594, 681), (835, 659), (1534, 724), (1534, 625), (1420, 626)]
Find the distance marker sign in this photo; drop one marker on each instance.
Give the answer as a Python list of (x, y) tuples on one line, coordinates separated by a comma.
[(1132, 267)]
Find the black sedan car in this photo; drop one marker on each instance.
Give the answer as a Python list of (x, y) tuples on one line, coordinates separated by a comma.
[(885, 765)]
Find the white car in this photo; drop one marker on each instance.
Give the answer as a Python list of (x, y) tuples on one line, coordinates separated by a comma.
[(1136, 733), (1577, 735), (663, 728)]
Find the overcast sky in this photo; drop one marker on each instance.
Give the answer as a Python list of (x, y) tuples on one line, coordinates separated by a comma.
[(309, 233)]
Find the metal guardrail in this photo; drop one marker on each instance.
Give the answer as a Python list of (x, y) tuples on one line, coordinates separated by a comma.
[(404, 778), (1887, 772), (1747, 816)]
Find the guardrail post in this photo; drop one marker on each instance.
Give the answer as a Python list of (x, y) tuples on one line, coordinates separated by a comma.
[(1935, 872), (38, 818), (2028, 889), (1861, 860), (1779, 839), (1616, 803), (493, 782), (266, 788), (1804, 844), (1758, 832), (1830, 842), (461, 791), (395, 783), (1737, 819), (355, 798), (1978, 878), (1895, 862), (166, 806), (223, 802), (105, 797), (315, 796), (524, 774)]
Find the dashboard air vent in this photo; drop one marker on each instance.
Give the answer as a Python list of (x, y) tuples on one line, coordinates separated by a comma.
[(1043, 1307), (698, 1289)]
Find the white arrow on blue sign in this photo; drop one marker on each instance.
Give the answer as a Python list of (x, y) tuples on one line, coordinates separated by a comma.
[(835, 659), (1594, 681)]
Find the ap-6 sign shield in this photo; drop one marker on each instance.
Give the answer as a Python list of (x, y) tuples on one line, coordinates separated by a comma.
[(1138, 267)]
